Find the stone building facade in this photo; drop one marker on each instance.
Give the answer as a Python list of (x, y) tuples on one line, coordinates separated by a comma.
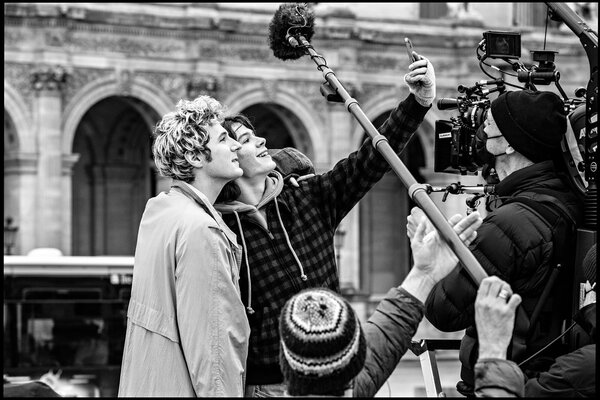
[(85, 83)]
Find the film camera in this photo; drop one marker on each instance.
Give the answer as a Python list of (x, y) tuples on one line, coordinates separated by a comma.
[(456, 140)]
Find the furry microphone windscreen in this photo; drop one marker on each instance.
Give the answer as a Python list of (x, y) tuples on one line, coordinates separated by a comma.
[(293, 19)]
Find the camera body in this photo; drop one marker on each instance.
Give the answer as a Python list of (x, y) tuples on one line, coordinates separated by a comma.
[(455, 142)]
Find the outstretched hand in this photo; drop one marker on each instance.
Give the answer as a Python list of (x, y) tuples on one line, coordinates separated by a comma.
[(495, 308), (433, 258), (431, 254), (421, 80)]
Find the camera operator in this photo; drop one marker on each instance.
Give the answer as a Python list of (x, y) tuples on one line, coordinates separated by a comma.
[(572, 375), (525, 236)]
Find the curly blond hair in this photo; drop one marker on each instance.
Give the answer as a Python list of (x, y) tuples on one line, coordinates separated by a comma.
[(180, 137)]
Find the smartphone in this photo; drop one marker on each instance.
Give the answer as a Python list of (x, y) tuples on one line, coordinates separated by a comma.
[(409, 50)]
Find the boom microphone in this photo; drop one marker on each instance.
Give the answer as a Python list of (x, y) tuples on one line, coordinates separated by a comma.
[(290, 21)]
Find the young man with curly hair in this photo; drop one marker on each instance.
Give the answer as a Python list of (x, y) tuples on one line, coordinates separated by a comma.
[(187, 332)]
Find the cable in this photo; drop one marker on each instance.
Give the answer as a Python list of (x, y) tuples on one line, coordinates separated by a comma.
[(549, 344)]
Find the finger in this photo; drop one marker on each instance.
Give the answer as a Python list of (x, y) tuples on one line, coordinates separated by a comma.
[(411, 227), (420, 232), (417, 56), (514, 301), (467, 233), (453, 220), (470, 239), (484, 286), (419, 72), (412, 222), (417, 213), (417, 64), (471, 223), (496, 287)]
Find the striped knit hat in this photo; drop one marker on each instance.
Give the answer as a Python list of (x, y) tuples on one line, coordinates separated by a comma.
[(322, 344)]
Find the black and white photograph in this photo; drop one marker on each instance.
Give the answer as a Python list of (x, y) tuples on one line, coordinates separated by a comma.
[(300, 199)]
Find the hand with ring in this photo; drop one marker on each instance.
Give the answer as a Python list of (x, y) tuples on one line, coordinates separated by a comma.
[(495, 308)]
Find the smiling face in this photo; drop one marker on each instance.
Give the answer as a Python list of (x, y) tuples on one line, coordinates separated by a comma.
[(224, 163), (253, 156)]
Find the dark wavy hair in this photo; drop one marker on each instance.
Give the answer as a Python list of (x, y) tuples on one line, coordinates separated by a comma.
[(231, 191)]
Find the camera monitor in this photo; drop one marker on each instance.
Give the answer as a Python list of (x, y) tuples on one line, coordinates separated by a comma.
[(502, 44)]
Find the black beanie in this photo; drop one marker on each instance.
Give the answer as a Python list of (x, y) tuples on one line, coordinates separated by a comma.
[(533, 123), (322, 344), (589, 265)]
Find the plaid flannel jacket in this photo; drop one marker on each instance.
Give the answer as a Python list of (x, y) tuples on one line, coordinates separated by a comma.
[(310, 214)]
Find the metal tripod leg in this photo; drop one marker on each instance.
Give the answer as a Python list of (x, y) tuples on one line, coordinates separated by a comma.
[(425, 350)]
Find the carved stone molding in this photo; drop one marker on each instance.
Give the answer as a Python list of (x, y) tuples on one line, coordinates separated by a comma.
[(124, 81), (17, 76), (131, 45), (51, 78), (68, 161), (270, 87), (78, 78), (20, 163), (247, 53), (174, 84), (202, 85), (381, 62)]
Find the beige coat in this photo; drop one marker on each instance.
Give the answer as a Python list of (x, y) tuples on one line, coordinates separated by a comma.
[(187, 332)]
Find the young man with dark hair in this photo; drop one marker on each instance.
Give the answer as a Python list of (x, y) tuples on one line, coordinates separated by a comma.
[(286, 228)]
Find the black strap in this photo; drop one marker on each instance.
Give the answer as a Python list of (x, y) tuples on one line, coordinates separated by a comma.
[(550, 209)]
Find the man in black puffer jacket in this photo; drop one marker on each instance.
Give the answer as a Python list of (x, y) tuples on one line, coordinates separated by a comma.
[(517, 242)]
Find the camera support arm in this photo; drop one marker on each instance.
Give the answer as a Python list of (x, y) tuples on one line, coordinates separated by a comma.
[(589, 40), (418, 192)]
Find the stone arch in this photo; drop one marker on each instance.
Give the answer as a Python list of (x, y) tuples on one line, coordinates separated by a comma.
[(388, 100), (255, 94), (19, 113), (102, 88)]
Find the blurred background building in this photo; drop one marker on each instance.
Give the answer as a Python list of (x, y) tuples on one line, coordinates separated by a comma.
[(85, 83)]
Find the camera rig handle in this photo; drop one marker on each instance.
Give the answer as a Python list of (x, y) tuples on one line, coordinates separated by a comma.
[(479, 191), (417, 191)]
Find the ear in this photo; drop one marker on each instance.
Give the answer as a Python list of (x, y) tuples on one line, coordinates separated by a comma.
[(199, 161)]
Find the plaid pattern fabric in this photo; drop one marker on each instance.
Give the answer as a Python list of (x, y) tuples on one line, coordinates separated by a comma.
[(310, 215)]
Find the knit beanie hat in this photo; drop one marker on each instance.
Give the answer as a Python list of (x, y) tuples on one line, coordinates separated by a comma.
[(322, 343), (533, 123), (291, 161), (589, 265)]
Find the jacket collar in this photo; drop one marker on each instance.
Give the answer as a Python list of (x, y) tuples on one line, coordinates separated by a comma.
[(526, 178)]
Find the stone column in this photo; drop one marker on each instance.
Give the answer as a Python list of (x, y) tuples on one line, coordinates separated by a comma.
[(47, 111), (20, 170), (67, 180), (341, 126)]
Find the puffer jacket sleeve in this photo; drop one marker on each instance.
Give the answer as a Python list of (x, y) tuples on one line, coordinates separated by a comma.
[(388, 333), (511, 244), (572, 375), (498, 378)]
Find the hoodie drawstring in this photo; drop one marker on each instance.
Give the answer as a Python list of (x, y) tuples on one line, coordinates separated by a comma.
[(249, 308), (287, 239)]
